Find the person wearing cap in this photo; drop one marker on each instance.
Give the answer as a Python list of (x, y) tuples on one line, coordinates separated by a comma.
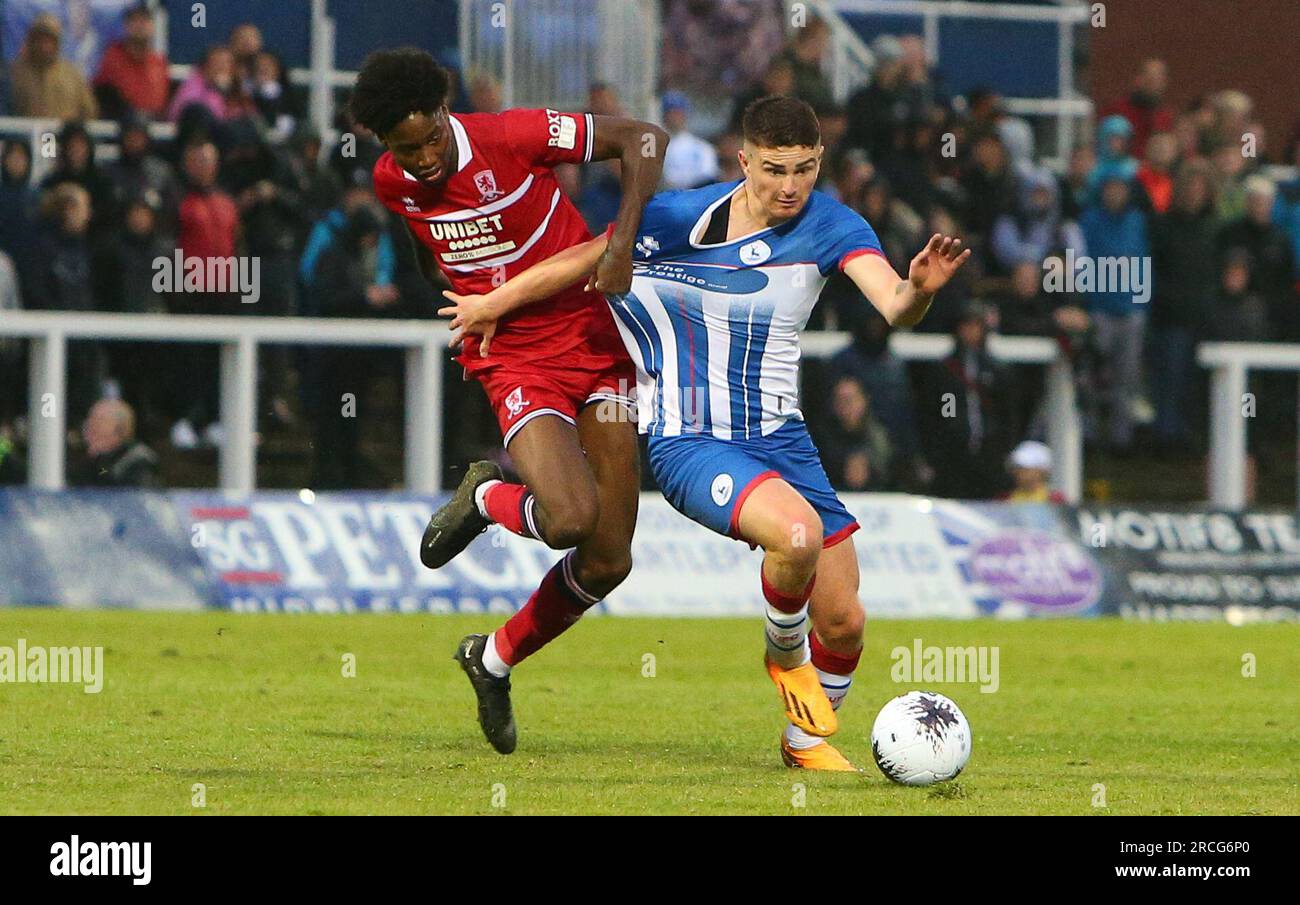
[(44, 84), (1030, 465), (690, 161), (132, 75)]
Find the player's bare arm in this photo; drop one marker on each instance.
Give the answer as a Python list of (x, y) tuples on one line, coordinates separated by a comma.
[(639, 147), (904, 302), (425, 261), (479, 314)]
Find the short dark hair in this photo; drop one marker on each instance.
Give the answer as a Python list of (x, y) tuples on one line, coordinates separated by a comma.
[(781, 122), (393, 84)]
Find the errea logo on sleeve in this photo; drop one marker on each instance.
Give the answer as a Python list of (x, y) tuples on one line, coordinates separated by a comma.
[(563, 130)]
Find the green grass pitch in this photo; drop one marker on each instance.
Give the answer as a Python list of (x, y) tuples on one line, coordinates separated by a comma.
[(257, 709)]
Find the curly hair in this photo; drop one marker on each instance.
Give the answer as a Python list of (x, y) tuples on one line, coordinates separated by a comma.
[(394, 84)]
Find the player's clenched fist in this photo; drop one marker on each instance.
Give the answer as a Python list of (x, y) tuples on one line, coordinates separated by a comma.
[(613, 272)]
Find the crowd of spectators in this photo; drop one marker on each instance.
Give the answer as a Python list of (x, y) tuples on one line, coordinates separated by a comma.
[(1185, 195), (246, 174)]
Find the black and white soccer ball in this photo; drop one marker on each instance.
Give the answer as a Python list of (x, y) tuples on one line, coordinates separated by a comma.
[(920, 738)]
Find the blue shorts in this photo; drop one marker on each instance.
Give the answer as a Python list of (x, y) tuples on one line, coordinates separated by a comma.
[(707, 479)]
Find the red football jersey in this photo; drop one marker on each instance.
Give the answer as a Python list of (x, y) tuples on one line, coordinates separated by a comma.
[(501, 212)]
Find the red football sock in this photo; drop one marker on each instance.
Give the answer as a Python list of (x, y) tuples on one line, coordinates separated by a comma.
[(829, 661), (556, 604), (786, 603), (511, 507)]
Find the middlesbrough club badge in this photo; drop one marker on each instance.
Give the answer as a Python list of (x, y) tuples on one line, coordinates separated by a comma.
[(515, 402), (486, 183)]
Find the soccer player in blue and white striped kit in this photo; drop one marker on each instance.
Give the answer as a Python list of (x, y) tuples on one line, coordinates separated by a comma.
[(725, 278)]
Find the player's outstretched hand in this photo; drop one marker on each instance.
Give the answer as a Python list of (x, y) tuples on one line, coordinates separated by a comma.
[(470, 315), (935, 264), (613, 274)]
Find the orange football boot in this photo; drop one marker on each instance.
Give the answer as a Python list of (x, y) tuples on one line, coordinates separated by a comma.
[(822, 756), (804, 699)]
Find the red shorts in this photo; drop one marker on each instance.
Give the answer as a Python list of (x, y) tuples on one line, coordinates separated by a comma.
[(520, 391)]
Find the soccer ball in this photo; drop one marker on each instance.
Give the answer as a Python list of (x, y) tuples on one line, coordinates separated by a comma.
[(920, 738)]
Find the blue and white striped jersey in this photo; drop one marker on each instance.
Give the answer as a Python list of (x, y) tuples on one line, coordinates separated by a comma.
[(714, 329)]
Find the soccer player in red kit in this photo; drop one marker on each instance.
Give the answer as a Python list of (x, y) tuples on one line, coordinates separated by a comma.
[(480, 197)]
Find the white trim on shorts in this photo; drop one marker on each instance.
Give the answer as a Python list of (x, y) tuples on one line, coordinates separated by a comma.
[(529, 417), (626, 401)]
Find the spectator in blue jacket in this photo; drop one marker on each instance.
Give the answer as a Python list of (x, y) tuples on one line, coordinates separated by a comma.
[(1116, 235), (1113, 157), (326, 235), (1286, 212)]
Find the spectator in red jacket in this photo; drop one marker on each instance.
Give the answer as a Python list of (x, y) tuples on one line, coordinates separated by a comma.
[(1145, 106), (208, 227), (132, 75), (209, 219), (1156, 171)]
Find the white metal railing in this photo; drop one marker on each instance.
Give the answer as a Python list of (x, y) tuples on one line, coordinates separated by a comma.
[(546, 53), (1064, 426), (851, 61), (425, 342), (1230, 365), (1066, 14), (104, 131), (34, 129), (321, 77)]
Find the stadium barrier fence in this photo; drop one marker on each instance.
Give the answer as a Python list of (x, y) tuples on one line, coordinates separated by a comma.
[(286, 552), (1065, 107), (1231, 410), (425, 343), (239, 337)]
